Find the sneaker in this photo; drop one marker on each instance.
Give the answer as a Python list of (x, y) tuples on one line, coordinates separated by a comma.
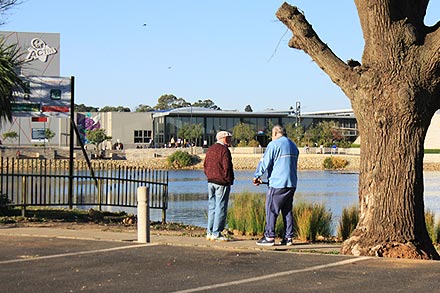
[(286, 241), (209, 237), (220, 239), (266, 241)]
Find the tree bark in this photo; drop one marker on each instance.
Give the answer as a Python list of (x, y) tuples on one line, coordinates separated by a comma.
[(394, 94)]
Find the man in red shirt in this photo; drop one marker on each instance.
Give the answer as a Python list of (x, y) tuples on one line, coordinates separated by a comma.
[(219, 171)]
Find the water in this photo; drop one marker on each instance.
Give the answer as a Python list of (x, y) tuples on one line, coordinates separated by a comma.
[(188, 193)]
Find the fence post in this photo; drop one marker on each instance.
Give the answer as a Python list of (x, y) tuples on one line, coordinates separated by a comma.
[(99, 195), (143, 215), (24, 196)]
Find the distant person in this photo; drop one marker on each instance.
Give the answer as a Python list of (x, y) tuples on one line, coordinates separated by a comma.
[(334, 149), (219, 171), (280, 161)]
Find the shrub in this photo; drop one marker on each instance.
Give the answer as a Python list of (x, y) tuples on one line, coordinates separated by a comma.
[(334, 163), (253, 143), (312, 220), (437, 233), (242, 144), (179, 159), (348, 222), (430, 225), (247, 213), (4, 201)]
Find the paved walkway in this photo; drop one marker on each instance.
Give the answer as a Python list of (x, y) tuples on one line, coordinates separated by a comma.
[(98, 234), (48, 259)]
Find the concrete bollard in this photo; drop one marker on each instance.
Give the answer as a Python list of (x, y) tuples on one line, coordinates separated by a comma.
[(143, 215)]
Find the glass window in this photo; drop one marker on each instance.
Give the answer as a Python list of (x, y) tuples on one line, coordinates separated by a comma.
[(142, 136)]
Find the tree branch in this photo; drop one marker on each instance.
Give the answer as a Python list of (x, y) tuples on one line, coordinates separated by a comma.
[(431, 64), (305, 39)]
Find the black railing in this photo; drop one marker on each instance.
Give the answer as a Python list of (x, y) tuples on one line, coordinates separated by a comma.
[(41, 182)]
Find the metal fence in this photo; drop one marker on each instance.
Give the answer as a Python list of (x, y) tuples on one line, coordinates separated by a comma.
[(41, 182)]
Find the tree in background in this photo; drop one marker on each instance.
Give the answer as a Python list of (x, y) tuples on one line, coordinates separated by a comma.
[(83, 108), (115, 109), (295, 133), (167, 102), (49, 134), (144, 108), (394, 92), (191, 132), (248, 108), (96, 137), (243, 133), (11, 135), (206, 104)]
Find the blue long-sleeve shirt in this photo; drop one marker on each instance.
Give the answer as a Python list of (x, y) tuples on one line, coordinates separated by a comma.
[(280, 161)]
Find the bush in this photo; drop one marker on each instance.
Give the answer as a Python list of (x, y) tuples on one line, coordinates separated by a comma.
[(253, 143), (348, 222), (242, 144), (179, 159), (334, 163), (247, 213), (430, 225), (4, 201), (312, 220), (437, 233)]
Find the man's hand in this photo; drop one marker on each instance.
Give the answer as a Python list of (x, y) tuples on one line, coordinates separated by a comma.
[(257, 181)]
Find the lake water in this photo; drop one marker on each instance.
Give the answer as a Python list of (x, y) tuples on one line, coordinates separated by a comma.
[(336, 190), (188, 193)]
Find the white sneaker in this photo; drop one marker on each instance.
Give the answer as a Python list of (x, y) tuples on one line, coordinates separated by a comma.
[(221, 239)]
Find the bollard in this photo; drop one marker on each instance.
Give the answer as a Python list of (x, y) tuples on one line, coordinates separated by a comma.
[(143, 215)]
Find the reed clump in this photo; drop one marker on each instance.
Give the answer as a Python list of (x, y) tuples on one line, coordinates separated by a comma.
[(348, 222), (246, 216), (312, 220)]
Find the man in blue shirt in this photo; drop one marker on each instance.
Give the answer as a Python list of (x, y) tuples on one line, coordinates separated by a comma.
[(280, 161)]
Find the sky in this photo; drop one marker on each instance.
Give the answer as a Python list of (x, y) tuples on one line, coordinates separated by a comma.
[(233, 52)]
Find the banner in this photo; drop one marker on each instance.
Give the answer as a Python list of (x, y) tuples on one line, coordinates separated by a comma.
[(49, 96)]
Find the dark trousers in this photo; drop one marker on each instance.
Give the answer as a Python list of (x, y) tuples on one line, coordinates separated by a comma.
[(279, 199)]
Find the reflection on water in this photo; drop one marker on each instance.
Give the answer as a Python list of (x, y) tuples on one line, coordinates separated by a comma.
[(188, 193)]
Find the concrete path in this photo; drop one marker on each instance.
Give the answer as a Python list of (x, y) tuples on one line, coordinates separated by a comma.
[(47, 259)]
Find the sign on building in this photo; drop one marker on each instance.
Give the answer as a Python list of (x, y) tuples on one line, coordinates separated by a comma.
[(48, 97)]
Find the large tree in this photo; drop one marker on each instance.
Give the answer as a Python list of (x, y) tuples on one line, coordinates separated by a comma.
[(394, 93)]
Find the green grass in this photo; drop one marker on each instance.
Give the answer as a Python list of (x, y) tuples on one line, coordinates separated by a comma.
[(432, 151)]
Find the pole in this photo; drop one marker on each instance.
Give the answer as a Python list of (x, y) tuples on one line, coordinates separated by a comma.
[(71, 140), (143, 215)]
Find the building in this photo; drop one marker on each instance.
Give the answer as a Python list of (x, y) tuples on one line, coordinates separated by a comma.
[(167, 123), (41, 51)]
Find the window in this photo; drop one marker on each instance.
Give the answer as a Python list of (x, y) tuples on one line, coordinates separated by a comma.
[(142, 136), (38, 134)]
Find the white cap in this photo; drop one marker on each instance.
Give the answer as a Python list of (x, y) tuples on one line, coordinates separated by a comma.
[(223, 134)]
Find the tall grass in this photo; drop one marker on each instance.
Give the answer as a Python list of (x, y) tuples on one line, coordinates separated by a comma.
[(247, 214), (312, 220), (348, 222), (433, 229)]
